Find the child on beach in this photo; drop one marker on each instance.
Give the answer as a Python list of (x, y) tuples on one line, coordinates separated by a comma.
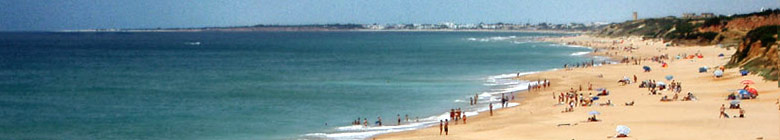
[(464, 118)]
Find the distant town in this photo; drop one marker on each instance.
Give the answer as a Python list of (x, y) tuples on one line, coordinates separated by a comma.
[(445, 26)]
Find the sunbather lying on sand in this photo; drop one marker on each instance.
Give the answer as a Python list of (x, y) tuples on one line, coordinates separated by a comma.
[(630, 103), (609, 103), (665, 99)]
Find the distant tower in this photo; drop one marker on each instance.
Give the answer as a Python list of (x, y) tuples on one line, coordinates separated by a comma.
[(635, 16)]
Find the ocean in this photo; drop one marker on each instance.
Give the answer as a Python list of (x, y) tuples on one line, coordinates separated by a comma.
[(256, 85)]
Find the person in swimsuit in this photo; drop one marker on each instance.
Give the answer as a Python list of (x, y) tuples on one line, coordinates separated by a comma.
[(464, 118), (723, 111), (491, 109), (446, 127), (379, 121), (441, 126), (399, 119), (365, 122)]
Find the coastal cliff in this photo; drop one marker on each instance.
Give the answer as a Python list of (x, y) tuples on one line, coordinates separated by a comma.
[(754, 35), (758, 52)]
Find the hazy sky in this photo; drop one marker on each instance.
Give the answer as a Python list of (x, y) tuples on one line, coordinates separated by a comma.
[(84, 14)]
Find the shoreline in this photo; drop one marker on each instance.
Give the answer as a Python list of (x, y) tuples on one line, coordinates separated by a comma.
[(539, 114), (485, 97)]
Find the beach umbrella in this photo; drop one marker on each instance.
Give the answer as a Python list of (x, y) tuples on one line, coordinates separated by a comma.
[(747, 82), (669, 77), (646, 68), (718, 73), (660, 83), (594, 112), (600, 89), (622, 129)]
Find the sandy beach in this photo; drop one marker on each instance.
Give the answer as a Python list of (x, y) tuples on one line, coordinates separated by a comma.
[(539, 115)]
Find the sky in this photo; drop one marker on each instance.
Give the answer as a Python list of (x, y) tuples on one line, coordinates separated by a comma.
[(45, 15)]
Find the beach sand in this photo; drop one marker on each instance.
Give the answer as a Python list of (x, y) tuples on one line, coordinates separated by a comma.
[(538, 116)]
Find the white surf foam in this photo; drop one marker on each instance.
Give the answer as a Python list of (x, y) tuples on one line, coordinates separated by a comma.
[(579, 53)]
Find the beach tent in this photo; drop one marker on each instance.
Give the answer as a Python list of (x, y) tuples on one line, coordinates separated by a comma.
[(721, 55), (718, 73), (622, 129), (669, 77), (646, 68), (743, 72), (702, 69)]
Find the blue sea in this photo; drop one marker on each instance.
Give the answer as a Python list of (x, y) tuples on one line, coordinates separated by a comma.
[(256, 85)]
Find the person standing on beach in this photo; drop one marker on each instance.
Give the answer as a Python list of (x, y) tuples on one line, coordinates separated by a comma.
[(446, 127), (441, 126), (491, 109), (723, 111), (635, 78)]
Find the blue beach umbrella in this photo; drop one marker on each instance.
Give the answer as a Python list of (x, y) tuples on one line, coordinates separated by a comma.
[(594, 112), (646, 68), (669, 77)]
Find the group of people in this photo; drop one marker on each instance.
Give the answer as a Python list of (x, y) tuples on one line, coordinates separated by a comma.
[(379, 120), (591, 63), (724, 115), (540, 84), (574, 98), (455, 116)]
